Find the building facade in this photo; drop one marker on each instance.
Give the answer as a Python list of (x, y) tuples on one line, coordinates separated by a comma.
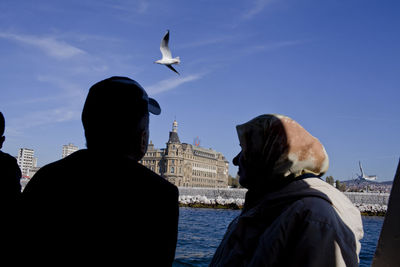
[(187, 165), (33, 171), (68, 150), (26, 160)]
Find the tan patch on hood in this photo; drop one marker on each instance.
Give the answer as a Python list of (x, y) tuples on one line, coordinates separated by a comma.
[(284, 145)]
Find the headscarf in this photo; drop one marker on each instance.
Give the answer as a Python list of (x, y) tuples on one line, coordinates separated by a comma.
[(283, 148)]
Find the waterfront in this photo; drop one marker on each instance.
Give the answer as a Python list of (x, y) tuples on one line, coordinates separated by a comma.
[(201, 230), (372, 204)]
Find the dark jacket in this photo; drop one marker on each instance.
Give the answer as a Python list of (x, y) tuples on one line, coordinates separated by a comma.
[(10, 194), (306, 223), (10, 175), (99, 208)]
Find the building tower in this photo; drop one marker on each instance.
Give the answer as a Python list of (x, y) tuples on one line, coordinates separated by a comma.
[(173, 135), (174, 157), (26, 160), (175, 126)]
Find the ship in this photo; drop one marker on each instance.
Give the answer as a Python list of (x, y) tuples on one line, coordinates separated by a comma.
[(364, 177)]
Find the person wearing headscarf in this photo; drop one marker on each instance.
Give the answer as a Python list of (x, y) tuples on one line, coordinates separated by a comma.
[(290, 216)]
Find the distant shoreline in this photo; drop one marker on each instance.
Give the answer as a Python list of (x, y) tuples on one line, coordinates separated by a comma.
[(236, 207)]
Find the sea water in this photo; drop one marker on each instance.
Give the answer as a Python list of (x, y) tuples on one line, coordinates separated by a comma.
[(201, 230)]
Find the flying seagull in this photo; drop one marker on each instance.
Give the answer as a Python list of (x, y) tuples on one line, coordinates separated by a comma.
[(167, 59)]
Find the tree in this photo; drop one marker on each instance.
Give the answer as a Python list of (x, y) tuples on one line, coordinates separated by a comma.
[(340, 186), (233, 182), (337, 184), (330, 180)]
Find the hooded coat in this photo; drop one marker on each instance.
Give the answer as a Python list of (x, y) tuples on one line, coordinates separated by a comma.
[(291, 217)]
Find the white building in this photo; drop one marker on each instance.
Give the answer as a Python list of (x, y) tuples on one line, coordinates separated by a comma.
[(26, 160), (68, 150), (33, 171)]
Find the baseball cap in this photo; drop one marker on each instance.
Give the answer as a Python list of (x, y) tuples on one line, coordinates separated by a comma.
[(153, 106), (116, 98)]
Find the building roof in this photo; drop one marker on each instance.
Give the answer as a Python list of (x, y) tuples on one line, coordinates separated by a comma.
[(173, 138)]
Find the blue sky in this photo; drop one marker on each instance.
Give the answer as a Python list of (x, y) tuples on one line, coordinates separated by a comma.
[(333, 66)]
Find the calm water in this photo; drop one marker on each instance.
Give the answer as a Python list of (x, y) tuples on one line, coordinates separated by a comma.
[(201, 230)]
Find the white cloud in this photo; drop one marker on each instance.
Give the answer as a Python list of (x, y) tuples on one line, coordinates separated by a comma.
[(139, 7), (206, 42), (258, 7), (62, 106), (273, 46), (42, 117), (143, 6), (49, 45), (171, 83), (72, 89)]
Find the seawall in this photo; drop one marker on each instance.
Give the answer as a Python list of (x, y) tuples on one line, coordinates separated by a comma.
[(368, 198), (225, 193), (367, 203)]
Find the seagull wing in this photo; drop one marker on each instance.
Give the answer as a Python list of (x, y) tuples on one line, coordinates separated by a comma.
[(166, 53), (172, 68)]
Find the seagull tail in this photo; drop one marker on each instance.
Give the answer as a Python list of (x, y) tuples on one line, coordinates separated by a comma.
[(178, 60)]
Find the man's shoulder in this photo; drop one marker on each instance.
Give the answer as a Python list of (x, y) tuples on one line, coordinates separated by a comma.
[(7, 158), (73, 160), (9, 165), (154, 178), (52, 174)]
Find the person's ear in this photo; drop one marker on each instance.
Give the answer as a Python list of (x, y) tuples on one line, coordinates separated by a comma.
[(144, 142)]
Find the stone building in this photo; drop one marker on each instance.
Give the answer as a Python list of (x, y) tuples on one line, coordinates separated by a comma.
[(187, 165)]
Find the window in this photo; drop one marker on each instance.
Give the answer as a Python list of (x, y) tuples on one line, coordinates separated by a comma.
[(172, 169)]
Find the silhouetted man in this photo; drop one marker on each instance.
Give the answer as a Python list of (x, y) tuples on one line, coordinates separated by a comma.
[(99, 205), (10, 174), (10, 195)]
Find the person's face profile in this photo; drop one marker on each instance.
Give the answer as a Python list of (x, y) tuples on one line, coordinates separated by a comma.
[(251, 168), (240, 161)]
